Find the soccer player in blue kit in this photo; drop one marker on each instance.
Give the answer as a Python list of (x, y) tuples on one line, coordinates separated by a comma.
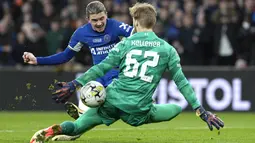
[(101, 34)]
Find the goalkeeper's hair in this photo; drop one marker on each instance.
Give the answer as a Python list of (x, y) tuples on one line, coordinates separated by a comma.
[(95, 7), (144, 13)]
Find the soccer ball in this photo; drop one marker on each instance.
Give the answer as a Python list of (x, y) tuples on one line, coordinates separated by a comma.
[(93, 94)]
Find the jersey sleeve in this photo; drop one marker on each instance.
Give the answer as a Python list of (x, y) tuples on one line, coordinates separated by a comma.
[(112, 60), (123, 29), (180, 80), (56, 59), (74, 43)]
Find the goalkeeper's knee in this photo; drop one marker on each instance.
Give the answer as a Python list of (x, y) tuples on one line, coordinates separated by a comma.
[(68, 127), (71, 128), (177, 109)]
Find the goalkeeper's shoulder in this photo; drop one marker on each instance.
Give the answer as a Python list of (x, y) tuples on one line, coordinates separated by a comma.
[(169, 47), (166, 45)]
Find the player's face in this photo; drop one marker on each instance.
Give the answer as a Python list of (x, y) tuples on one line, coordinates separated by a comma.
[(98, 21)]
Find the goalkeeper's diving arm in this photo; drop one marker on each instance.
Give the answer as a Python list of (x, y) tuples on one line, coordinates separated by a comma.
[(184, 87)]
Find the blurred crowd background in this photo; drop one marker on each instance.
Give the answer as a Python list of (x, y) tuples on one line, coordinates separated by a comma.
[(204, 32)]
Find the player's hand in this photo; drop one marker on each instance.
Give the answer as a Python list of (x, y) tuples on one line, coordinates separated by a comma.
[(210, 118), (29, 58), (64, 90)]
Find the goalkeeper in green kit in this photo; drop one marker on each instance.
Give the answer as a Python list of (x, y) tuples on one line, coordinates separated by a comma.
[(142, 59)]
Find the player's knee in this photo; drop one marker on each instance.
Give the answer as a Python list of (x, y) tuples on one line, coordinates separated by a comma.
[(175, 112), (178, 109), (68, 127)]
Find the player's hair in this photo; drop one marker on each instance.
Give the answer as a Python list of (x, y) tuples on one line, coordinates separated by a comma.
[(95, 7), (144, 13)]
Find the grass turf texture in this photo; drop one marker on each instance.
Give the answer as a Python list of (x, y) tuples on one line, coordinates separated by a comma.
[(18, 127)]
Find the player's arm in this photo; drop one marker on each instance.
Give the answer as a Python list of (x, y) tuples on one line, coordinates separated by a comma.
[(64, 90), (189, 94), (112, 60), (180, 80), (123, 29), (59, 58)]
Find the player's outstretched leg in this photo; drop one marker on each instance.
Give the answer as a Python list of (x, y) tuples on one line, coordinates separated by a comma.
[(72, 110), (73, 130), (46, 134)]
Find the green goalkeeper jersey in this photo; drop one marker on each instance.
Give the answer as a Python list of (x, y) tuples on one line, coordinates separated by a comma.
[(142, 59)]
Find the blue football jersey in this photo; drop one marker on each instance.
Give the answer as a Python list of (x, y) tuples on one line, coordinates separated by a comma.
[(100, 43)]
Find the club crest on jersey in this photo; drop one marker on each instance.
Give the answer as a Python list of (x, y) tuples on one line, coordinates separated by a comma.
[(107, 38)]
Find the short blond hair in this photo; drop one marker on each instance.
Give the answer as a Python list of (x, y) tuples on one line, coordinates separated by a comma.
[(144, 13)]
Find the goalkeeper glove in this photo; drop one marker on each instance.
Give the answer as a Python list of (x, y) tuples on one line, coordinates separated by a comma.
[(64, 90), (210, 118)]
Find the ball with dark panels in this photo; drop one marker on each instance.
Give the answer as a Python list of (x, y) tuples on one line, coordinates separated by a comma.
[(93, 94)]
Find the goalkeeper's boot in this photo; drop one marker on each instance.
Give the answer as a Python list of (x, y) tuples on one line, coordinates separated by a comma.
[(45, 135), (65, 138), (72, 110)]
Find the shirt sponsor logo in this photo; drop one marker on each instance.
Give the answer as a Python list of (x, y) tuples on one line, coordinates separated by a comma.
[(97, 40), (102, 50)]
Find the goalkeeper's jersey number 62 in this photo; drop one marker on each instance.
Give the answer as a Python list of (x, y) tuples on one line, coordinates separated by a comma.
[(133, 72)]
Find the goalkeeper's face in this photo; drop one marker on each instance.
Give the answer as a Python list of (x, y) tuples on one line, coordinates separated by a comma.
[(98, 21)]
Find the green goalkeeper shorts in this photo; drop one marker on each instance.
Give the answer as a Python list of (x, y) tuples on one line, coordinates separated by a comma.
[(157, 113), (110, 114)]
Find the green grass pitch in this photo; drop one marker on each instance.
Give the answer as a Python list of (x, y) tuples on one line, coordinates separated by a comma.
[(18, 127)]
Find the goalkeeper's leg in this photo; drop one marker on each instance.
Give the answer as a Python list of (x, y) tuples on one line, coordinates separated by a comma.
[(165, 112), (105, 114), (75, 112), (84, 123), (73, 130)]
